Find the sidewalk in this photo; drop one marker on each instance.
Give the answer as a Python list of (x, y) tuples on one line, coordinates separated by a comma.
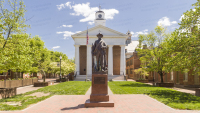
[(130, 103)]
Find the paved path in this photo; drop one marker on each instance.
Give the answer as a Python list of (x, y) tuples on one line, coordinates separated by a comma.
[(25, 89), (123, 104), (131, 103)]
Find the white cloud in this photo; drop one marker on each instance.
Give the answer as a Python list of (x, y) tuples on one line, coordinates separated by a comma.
[(78, 31), (61, 6), (65, 26), (67, 34), (182, 16), (56, 47), (140, 32), (88, 12), (166, 22)]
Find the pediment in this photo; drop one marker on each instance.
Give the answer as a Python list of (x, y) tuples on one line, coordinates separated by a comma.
[(95, 30)]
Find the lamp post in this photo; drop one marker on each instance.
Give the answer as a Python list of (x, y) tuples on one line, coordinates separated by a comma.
[(60, 67)]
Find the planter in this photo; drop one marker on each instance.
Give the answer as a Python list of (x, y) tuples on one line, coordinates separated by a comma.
[(1, 84), (71, 77), (143, 81), (35, 80), (42, 84), (165, 84), (197, 92), (62, 80), (17, 83), (7, 92)]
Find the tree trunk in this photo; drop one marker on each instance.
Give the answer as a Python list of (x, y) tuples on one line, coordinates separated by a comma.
[(44, 76), (161, 77)]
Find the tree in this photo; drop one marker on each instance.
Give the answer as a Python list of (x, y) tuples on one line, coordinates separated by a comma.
[(12, 21), (153, 55), (66, 67), (16, 55), (185, 41)]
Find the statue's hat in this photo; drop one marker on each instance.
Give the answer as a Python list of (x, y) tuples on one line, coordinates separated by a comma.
[(99, 35)]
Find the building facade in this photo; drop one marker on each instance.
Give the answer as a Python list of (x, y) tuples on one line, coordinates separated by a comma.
[(177, 77), (115, 41)]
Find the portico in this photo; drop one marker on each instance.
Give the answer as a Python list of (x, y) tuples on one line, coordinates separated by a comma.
[(115, 51)]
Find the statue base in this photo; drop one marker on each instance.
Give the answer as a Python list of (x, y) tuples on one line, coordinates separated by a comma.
[(99, 94)]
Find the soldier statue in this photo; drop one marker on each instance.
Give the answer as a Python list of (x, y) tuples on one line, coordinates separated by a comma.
[(99, 50)]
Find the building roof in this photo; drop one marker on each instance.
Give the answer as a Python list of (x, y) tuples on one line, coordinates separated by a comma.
[(83, 33), (131, 47)]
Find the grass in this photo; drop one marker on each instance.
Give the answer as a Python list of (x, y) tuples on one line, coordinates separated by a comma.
[(170, 97), (65, 88)]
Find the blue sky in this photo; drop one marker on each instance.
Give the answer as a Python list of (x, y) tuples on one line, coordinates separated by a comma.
[(56, 20)]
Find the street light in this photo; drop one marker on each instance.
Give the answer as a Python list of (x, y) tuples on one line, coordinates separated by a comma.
[(60, 67)]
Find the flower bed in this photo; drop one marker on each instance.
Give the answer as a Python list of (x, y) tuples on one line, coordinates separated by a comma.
[(42, 84), (165, 84), (143, 81), (62, 80)]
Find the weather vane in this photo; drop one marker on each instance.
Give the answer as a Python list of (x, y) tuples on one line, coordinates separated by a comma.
[(99, 7)]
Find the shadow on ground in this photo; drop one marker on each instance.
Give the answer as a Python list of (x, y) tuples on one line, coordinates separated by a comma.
[(76, 107), (171, 96), (135, 84)]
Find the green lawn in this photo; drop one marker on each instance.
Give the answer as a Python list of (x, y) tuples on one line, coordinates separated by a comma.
[(65, 88), (170, 97)]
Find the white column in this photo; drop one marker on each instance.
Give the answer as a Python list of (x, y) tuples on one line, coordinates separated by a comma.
[(77, 62), (110, 60), (89, 61), (122, 60)]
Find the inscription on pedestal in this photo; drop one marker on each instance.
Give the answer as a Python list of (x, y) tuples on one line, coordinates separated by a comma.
[(99, 80)]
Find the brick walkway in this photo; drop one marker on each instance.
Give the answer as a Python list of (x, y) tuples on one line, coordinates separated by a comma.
[(123, 104), (131, 103)]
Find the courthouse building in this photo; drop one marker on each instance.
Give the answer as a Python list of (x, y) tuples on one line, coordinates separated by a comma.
[(116, 42)]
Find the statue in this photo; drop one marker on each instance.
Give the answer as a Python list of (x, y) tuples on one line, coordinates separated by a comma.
[(99, 51)]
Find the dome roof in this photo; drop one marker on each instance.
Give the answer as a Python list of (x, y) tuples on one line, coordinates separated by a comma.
[(99, 12)]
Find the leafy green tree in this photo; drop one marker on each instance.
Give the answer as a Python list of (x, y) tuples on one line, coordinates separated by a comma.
[(44, 63), (12, 21), (184, 43), (153, 55), (66, 67)]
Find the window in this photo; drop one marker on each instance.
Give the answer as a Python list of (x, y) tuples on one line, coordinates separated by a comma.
[(126, 71), (131, 71), (2, 74), (171, 75), (9, 72), (131, 61)]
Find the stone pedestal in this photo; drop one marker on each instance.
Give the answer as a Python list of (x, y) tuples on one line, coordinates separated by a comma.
[(99, 93)]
